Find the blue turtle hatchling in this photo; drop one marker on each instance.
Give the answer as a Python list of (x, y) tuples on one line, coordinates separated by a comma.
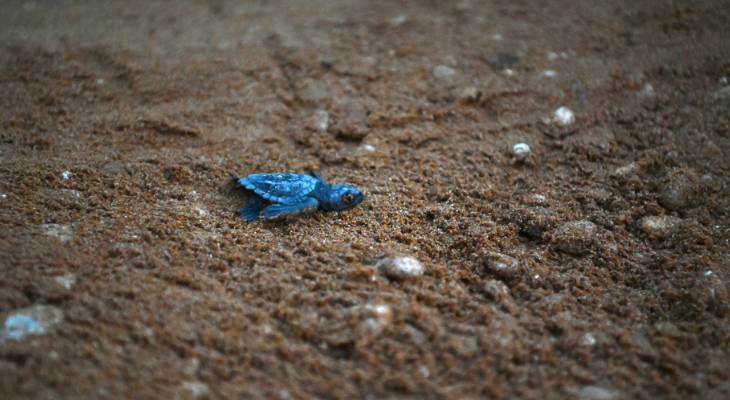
[(284, 194)]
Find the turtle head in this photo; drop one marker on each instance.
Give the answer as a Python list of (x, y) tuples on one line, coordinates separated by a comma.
[(341, 197)]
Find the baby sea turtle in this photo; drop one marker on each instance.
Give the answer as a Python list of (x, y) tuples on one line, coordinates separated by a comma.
[(283, 194)]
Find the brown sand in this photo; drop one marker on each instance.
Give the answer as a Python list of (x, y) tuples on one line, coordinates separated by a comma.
[(598, 268)]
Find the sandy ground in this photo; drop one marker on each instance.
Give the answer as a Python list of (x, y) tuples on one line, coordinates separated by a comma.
[(595, 267)]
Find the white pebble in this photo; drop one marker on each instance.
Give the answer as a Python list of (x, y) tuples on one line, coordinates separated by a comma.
[(708, 273), (647, 90), (367, 148), (67, 281), (588, 339), (443, 72), (66, 175), (3, 196), (35, 320), (497, 36), (398, 20), (508, 72), (549, 73), (197, 389), (401, 268), (321, 120), (564, 116), (521, 151), (60, 232), (552, 56), (596, 393), (723, 80)]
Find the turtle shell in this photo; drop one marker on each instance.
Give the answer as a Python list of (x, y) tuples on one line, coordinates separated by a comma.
[(284, 188)]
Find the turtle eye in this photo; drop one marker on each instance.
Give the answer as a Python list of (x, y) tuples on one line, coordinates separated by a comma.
[(347, 198)]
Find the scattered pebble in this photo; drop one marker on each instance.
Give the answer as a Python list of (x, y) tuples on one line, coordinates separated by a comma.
[(549, 73), (647, 90), (575, 237), (367, 148), (321, 120), (100, 81), (503, 60), (723, 80), (537, 199), (67, 281), (552, 56), (521, 151), (34, 320), (679, 193), (3, 196), (508, 72), (534, 221), (351, 120), (377, 317), (66, 175), (470, 93), (502, 265), (498, 37), (443, 72), (660, 226), (564, 116), (708, 273), (596, 393), (64, 233), (398, 20), (197, 389), (722, 93), (401, 268), (588, 339), (626, 170)]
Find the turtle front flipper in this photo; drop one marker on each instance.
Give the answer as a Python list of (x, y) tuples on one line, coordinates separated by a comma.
[(276, 211), (252, 209)]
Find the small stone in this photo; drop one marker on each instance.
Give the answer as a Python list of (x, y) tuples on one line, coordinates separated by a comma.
[(443, 72), (679, 193), (575, 237), (564, 116), (196, 389), (549, 73), (660, 226), (508, 72), (3, 196), (376, 318), (66, 175), (398, 20), (596, 393), (321, 120), (647, 90), (534, 221), (588, 339), (536, 199), (351, 121), (552, 56), (502, 265), (35, 320), (521, 151), (367, 148), (503, 60), (626, 170), (470, 94), (401, 268), (63, 233), (313, 90), (722, 93), (67, 281), (497, 37)]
